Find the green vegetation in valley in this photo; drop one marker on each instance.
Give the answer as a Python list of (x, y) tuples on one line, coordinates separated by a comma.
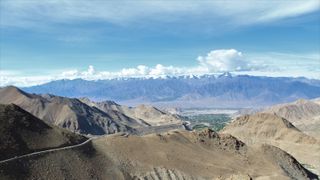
[(212, 121)]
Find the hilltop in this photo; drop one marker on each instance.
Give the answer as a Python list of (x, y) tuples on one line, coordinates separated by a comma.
[(86, 116), (303, 113), (265, 128), (69, 113), (143, 113)]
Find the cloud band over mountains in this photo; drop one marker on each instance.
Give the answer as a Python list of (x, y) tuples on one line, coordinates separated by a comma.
[(216, 61)]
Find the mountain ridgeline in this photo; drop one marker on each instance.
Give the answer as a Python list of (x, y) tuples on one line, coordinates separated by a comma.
[(188, 91), (304, 114), (267, 128), (84, 117)]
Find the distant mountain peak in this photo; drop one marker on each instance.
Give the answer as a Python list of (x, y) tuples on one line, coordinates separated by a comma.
[(13, 91), (225, 74)]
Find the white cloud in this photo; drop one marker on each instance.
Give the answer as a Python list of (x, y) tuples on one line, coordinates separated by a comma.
[(19, 80), (216, 61), (33, 12), (290, 9), (70, 73), (224, 60)]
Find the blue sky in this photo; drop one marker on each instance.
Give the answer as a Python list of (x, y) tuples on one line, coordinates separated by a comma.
[(43, 41)]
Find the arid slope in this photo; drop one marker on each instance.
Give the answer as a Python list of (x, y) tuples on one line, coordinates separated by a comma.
[(142, 113), (22, 133), (271, 129), (171, 155), (69, 113), (304, 114)]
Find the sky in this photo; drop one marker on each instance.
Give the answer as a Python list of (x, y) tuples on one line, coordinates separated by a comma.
[(42, 41)]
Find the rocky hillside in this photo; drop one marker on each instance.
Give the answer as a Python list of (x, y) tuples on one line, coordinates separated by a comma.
[(69, 113), (142, 113), (275, 130), (22, 133), (172, 155), (304, 114), (85, 116), (267, 126)]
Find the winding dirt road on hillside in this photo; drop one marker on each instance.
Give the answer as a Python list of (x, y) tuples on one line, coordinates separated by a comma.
[(46, 151), (140, 132)]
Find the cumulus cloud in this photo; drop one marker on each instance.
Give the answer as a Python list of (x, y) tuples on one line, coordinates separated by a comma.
[(224, 60), (215, 62)]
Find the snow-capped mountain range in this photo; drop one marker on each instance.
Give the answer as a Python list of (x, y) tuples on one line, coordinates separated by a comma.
[(224, 90)]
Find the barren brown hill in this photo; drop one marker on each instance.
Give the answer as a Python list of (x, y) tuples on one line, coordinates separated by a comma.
[(22, 133), (171, 155), (271, 129), (69, 113), (316, 100), (142, 113), (304, 114)]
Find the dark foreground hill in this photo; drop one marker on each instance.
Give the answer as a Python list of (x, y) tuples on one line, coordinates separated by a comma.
[(185, 91), (22, 133), (172, 155)]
